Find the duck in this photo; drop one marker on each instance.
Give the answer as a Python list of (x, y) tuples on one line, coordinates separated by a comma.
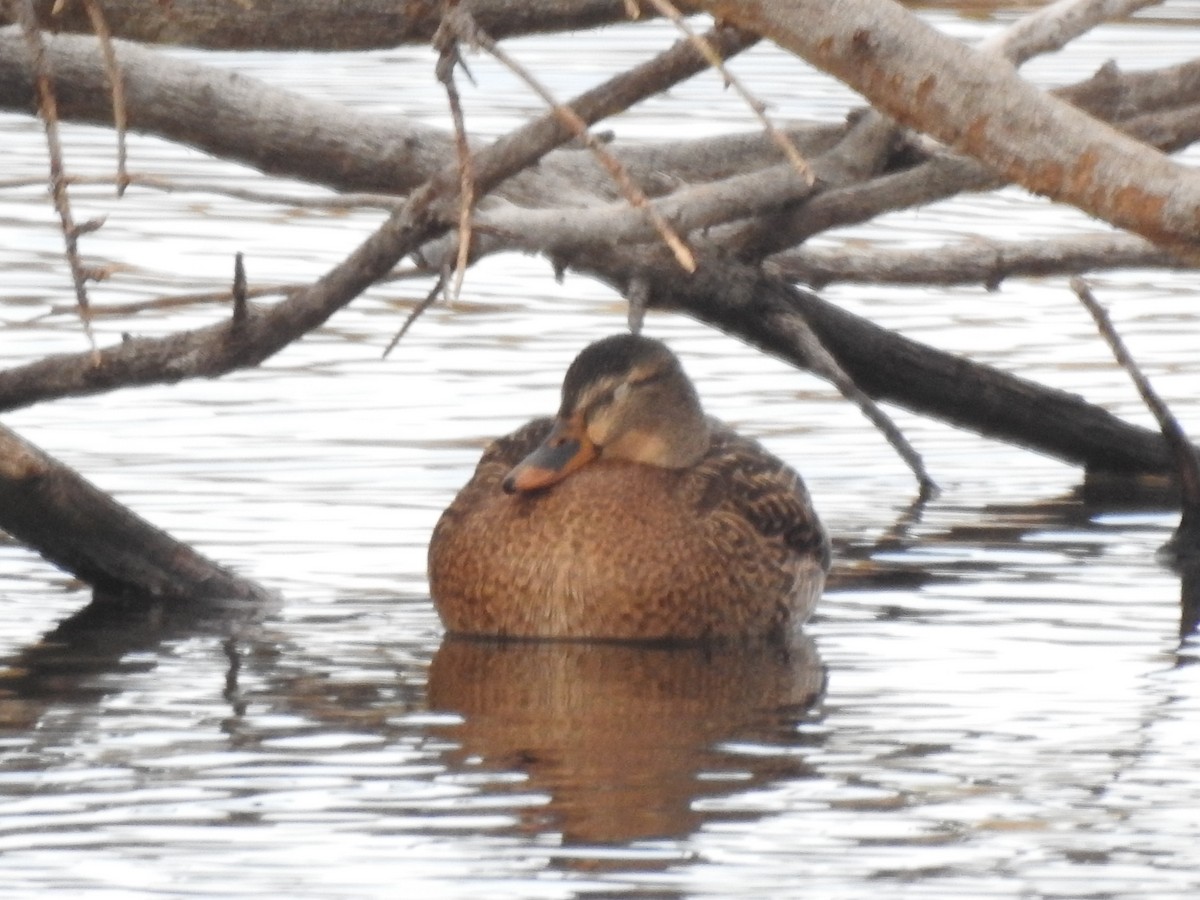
[(631, 516)]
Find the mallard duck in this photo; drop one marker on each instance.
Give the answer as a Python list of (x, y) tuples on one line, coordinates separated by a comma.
[(630, 516)]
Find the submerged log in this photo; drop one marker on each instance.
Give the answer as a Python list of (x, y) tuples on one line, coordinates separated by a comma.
[(81, 529)]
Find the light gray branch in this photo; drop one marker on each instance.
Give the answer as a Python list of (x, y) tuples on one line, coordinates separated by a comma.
[(978, 261)]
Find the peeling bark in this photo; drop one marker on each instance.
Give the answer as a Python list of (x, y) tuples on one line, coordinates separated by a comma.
[(971, 102)]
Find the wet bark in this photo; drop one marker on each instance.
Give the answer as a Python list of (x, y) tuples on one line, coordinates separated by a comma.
[(73, 524)]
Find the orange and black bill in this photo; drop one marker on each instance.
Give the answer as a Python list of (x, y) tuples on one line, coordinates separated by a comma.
[(565, 449)]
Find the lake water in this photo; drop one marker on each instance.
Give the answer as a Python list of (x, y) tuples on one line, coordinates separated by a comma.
[(992, 701)]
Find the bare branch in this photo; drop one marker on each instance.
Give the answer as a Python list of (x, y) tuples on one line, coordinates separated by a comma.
[(1187, 463), (629, 189), (928, 80), (320, 24), (120, 118), (416, 312), (1055, 25), (428, 213), (49, 506), (446, 43), (978, 261), (756, 106)]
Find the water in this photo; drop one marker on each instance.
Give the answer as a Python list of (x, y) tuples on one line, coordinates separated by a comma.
[(992, 700)]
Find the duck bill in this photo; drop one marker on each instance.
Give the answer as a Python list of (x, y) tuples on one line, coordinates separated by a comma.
[(565, 449)]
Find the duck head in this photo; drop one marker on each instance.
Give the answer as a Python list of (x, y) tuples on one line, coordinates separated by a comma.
[(625, 397)]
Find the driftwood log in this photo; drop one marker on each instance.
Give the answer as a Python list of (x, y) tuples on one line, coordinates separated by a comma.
[(82, 530)]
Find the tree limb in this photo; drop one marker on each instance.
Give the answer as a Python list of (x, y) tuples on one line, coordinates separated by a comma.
[(975, 261), (79, 528), (931, 82), (318, 24), (428, 213)]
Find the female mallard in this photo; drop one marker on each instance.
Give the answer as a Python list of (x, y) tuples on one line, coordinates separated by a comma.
[(630, 516)]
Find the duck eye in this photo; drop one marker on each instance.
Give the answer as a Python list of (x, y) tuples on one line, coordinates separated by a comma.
[(607, 399), (599, 404)]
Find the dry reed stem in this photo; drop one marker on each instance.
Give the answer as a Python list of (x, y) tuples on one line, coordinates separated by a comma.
[(43, 80), (446, 43), (117, 83), (756, 106)]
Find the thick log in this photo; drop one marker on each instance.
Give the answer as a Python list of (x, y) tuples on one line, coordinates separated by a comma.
[(932, 82), (81, 529)]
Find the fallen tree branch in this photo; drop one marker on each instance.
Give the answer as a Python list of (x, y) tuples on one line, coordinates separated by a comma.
[(318, 24), (279, 132), (630, 191), (976, 261), (942, 176), (427, 214), (79, 528), (931, 82)]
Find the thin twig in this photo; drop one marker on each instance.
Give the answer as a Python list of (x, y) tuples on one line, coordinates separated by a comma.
[(446, 43), (117, 83), (239, 289), (823, 363), (416, 313), (176, 301), (756, 106), (1186, 463), (43, 78), (468, 30), (637, 293), (171, 186)]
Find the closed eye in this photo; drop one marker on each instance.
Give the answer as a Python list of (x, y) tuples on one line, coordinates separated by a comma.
[(602, 401)]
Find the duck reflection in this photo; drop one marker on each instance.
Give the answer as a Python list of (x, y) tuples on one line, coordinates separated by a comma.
[(623, 737)]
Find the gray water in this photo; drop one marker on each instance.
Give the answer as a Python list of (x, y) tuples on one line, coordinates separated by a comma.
[(991, 701)]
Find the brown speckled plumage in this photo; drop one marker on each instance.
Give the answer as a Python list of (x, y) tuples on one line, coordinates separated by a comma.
[(728, 546)]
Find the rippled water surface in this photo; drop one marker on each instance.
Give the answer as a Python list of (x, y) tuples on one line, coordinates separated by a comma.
[(992, 701)]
